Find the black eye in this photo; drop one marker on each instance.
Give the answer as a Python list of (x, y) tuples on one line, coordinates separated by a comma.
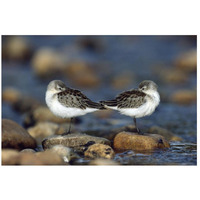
[(142, 88), (60, 88)]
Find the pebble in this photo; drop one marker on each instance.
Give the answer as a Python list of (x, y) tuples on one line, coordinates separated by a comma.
[(187, 61), (50, 157), (65, 153), (165, 133), (99, 151), (9, 156), (15, 136), (91, 44), (46, 62), (101, 161), (122, 81), (26, 104), (104, 114), (82, 75), (13, 157), (19, 102), (42, 130), (174, 76), (78, 141), (184, 97), (16, 49), (42, 114), (27, 151), (134, 141), (10, 95)]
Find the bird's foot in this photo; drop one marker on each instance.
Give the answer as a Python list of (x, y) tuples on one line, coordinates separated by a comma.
[(66, 133), (139, 131)]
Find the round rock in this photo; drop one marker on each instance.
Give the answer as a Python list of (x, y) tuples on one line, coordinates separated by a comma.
[(78, 141), (102, 161), (11, 95), (16, 137), (184, 97), (9, 156), (99, 151), (41, 114), (134, 141), (42, 130), (165, 133)]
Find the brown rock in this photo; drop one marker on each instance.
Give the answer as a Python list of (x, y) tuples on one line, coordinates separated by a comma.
[(184, 97), (12, 157), (27, 151), (26, 104), (91, 43), (49, 157), (82, 75), (47, 62), (134, 141), (99, 151), (101, 161), (77, 141), (16, 48), (42, 114), (9, 156), (15, 136), (187, 61), (174, 76), (65, 153), (123, 80), (11, 95), (102, 114), (28, 158), (42, 130), (165, 133)]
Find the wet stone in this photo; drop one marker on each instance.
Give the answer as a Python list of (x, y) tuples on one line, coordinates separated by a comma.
[(46, 62), (42, 114), (42, 130), (165, 133), (187, 61), (13, 157), (16, 49), (11, 95), (184, 97), (26, 104), (102, 161), (27, 151), (99, 151), (16, 137), (82, 75), (9, 156), (134, 141), (78, 141), (65, 153)]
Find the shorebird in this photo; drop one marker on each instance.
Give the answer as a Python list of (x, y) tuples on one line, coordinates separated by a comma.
[(136, 103), (65, 102)]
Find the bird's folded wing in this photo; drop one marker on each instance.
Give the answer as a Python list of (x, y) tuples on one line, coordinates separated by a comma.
[(131, 99), (76, 99)]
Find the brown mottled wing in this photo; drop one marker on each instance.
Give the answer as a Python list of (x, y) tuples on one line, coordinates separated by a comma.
[(75, 99), (131, 99)]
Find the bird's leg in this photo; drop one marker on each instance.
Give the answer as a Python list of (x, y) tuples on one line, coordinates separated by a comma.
[(138, 130), (69, 130)]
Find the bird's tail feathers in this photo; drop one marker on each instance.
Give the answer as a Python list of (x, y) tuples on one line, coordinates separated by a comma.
[(111, 103)]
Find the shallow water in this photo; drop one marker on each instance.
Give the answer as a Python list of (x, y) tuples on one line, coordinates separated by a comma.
[(180, 153), (137, 55)]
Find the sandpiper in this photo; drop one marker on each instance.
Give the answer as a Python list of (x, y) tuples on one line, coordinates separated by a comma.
[(136, 103), (68, 103)]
